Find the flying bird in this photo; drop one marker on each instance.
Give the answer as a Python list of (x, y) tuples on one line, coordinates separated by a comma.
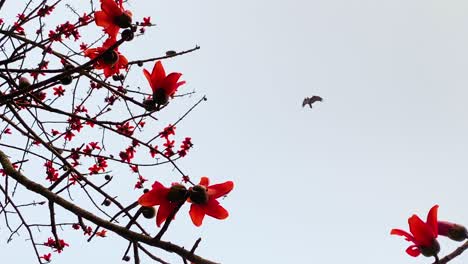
[(310, 100)]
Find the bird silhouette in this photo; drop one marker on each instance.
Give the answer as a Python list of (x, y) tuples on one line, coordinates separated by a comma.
[(310, 100)]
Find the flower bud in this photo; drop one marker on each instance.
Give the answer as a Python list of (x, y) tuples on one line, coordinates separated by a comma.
[(198, 194), (177, 193), (106, 202), (124, 20), (110, 57), (149, 105), (148, 212), (171, 53), (66, 80), (453, 231), (23, 83), (432, 250), (127, 34), (160, 97)]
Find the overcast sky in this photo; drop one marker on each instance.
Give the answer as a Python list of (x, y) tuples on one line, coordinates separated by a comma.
[(321, 185)]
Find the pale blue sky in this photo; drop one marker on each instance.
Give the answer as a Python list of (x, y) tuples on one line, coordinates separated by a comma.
[(321, 185)]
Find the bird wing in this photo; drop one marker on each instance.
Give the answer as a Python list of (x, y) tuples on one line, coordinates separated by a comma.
[(305, 102), (316, 98)]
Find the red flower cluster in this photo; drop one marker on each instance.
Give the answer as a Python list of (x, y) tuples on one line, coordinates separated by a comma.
[(51, 172), (186, 145), (51, 243), (100, 165), (112, 17), (140, 182), (202, 196), (45, 11)]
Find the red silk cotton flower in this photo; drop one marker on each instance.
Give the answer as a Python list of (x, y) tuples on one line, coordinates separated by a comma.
[(113, 17), (423, 234), (203, 198), (167, 198), (111, 61), (162, 86)]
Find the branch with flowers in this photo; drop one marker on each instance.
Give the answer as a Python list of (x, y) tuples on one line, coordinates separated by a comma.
[(67, 131), (424, 235)]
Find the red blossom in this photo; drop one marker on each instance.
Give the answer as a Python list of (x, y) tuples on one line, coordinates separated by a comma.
[(204, 200), (81, 109), (134, 168), (146, 22), (140, 182), (423, 234), (46, 257), (112, 17), (125, 129), (7, 131), (128, 154), (61, 244), (84, 19), (111, 61), (185, 178), (69, 135), (19, 29), (186, 145), (51, 173), (54, 132), (44, 11), (153, 151), (88, 231), (75, 123), (101, 233), (162, 86), (21, 16), (100, 165), (59, 91), (83, 46), (167, 198)]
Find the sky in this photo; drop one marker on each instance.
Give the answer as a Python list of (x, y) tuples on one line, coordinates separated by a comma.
[(320, 185)]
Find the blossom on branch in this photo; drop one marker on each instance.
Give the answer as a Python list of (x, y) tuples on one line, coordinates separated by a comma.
[(113, 17), (204, 200), (162, 86), (111, 61), (167, 198), (423, 234)]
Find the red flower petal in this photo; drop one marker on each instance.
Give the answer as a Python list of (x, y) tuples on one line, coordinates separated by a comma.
[(148, 77), (204, 181), (158, 74), (432, 220), (196, 214), (215, 210), (413, 251), (218, 190), (111, 8), (421, 231), (164, 211), (102, 19), (170, 84), (400, 232), (156, 196)]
